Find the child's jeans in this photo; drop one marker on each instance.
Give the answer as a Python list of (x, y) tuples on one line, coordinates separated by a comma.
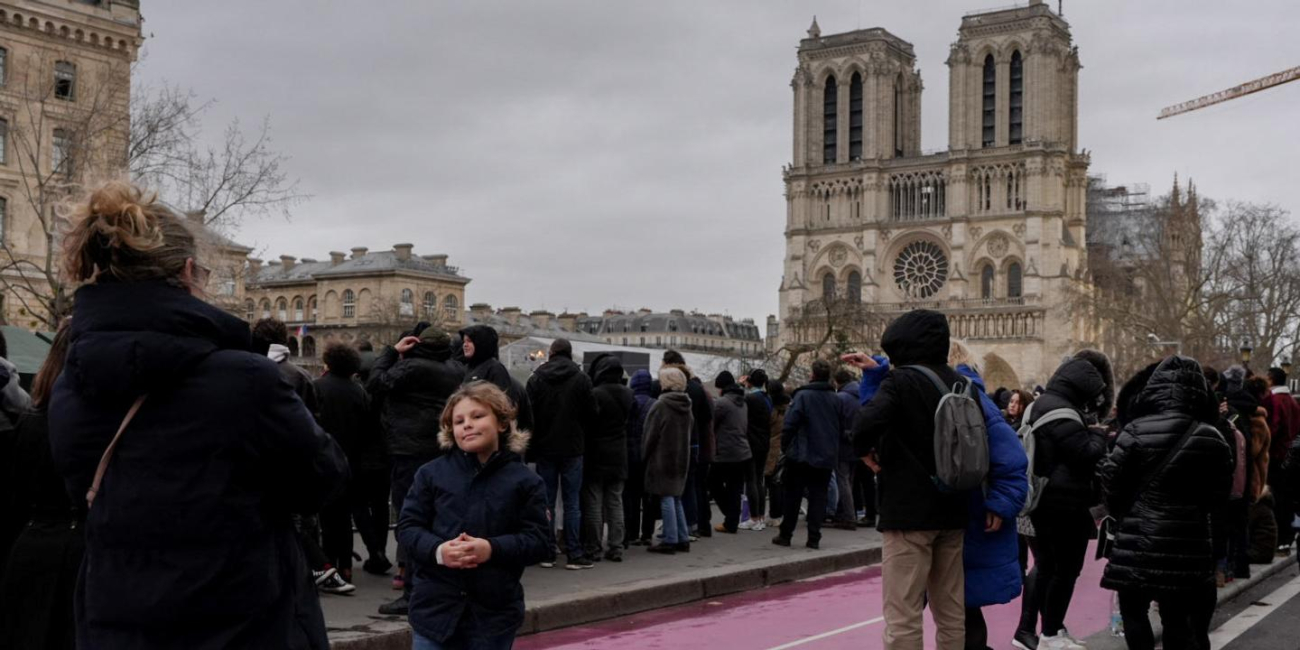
[(676, 531), (458, 642)]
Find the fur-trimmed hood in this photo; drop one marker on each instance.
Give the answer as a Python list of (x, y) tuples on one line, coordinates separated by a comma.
[(516, 439)]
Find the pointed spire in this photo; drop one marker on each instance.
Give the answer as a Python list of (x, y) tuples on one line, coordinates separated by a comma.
[(814, 31), (1175, 197)]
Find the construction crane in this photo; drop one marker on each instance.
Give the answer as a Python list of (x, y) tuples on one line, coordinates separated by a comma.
[(1232, 93)]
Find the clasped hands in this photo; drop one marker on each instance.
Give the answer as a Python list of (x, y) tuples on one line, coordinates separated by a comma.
[(465, 552)]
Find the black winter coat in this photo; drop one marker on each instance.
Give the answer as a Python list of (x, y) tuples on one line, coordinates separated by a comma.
[(1163, 538), (898, 423), (486, 366), (1068, 452), (606, 448), (412, 392), (563, 409), (303, 384), (758, 424), (501, 501), (345, 414), (190, 542), (813, 426)]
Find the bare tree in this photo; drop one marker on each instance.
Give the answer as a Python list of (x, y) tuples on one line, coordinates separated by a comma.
[(824, 328), (1260, 279), (389, 317)]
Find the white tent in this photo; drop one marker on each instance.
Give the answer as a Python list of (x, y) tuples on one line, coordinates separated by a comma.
[(524, 355)]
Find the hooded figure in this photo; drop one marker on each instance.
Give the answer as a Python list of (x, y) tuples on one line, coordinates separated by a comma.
[(1170, 468), (1252, 419), (730, 421), (606, 443), (412, 389), (486, 365), (563, 406), (897, 422), (1068, 452)]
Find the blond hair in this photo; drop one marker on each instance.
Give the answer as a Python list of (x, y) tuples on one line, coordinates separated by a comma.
[(487, 394), (122, 233), (960, 355), (672, 379)]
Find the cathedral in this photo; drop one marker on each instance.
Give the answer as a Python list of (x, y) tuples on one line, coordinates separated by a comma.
[(991, 231)]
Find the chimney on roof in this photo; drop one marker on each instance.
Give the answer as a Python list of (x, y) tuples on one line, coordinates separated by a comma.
[(254, 267), (308, 260), (542, 319), (287, 262), (337, 257), (480, 311), (436, 260), (403, 251), (568, 322), (644, 311), (511, 314), (359, 252)]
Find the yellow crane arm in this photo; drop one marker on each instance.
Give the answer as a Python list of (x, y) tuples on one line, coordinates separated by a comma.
[(1232, 93)]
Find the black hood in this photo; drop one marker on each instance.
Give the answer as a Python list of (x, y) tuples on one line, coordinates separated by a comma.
[(131, 338), (606, 369), (1078, 383), (556, 371), (485, 343), (1126, 403), (734, 389), (1102, 363), (1177, 386), (917, 337), (423, 350)]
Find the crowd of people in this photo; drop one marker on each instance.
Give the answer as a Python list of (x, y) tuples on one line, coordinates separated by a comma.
[(179, 481)]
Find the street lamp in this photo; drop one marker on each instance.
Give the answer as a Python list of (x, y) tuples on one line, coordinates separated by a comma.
[(1246, 349), (1286, 367)]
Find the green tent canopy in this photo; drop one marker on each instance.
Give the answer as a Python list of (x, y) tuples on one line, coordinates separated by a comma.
[(27, 350)]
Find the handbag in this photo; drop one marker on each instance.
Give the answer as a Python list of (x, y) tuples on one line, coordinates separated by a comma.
[(108, 453), (1108, 527)]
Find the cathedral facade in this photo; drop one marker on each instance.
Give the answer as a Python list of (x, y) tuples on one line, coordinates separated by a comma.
[(991, 231)]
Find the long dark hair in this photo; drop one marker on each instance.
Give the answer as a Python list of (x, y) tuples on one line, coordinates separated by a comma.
[(52, 367)]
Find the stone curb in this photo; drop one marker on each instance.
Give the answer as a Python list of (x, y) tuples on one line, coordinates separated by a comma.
[(613, 602), (1256, 576)]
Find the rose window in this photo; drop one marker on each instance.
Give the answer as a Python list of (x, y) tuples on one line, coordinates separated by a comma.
[(921, 269)]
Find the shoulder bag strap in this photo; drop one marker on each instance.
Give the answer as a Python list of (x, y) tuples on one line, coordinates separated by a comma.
[(1164, 462), (108, 453), (934, 379)]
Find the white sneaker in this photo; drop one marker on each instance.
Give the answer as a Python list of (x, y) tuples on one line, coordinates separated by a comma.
[(773, 522), (746, 525), (1058, 642), (759, 525), (1066, 633)]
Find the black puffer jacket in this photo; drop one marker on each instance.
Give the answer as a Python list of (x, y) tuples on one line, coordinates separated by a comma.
[(345, 413), (1068, 451), (898, 422), (1163, 542), (412, 392), (606, 457), (563, 409)]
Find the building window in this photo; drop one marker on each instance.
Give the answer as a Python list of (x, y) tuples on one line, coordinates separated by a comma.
[(898, 116), (62, 153), (830, 105), (4, 66), (828, 287), (311, 308), (298, 311), (855, 118), (986, 282), (430, 304), (4, 141), (65, 81), (282, 310), (855, 287), (266, 308), (349, 304), (1017, 98), (451, 307), (407, 306), (1014, 286), (250, 310), (990, 101)]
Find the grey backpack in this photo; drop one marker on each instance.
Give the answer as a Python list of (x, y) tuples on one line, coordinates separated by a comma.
[(1029, 441), (961, 442)]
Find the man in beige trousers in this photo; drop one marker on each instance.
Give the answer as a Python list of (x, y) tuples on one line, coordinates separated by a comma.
[(923, 526)]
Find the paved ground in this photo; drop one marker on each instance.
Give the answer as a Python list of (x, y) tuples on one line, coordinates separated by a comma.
[(557, 593), (842, 611)]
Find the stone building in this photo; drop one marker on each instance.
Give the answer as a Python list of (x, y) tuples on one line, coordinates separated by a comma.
[(675, 329), (990, 231), (65, 90), (364, 297)]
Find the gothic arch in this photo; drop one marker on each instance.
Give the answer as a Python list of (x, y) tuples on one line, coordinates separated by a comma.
[(848, 269), (822, 73), (1009, 48), (823, 258), (981, 250), (849, 69), (999, 374)]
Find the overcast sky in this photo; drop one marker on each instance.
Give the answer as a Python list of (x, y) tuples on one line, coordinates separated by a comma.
[(583, 155)]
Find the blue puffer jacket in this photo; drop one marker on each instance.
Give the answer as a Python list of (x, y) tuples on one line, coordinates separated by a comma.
[(991, 559)]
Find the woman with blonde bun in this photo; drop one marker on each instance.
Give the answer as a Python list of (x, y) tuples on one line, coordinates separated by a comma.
[(191, 451)]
